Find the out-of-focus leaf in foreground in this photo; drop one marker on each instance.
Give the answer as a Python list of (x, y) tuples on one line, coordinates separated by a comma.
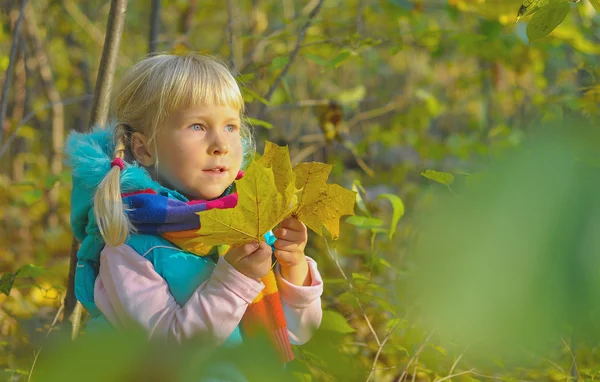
[(514, 260)]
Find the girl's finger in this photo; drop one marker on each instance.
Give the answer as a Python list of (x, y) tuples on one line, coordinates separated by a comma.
[(285, 257), (285, 245), (293, 224), (290, 235)]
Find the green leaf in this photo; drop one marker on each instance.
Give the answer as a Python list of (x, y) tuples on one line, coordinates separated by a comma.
[(259, 122), (529, 7), (27, 132), (385, 263), (318, 60), (31, 197), (397, 211), (596, 4), (352, 96), (279, 62), (247, 77), (357, 187), (340, 59), (440, 349), (358, 276), (335, 322), (440, 177), (546, 20), (6, 282), (30, 270), (364, 222), (51, 180), (250, 95), (393, 324)]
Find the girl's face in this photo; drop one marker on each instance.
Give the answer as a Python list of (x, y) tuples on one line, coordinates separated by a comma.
[(200, 150)]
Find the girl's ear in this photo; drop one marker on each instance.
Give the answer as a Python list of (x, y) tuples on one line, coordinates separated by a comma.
[(141, 150)]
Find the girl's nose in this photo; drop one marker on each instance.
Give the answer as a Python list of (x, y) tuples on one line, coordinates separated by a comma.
[(219, 145)]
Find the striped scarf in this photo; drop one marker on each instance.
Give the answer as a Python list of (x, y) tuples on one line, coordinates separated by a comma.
[(178, 222)]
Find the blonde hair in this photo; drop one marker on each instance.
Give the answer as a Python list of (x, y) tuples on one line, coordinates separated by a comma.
[(150, 91)]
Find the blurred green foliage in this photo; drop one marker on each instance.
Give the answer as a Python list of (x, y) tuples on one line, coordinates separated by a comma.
[(386, 90)]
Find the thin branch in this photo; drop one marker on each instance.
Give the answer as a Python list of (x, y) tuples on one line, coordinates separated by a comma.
[(374, 113), (339, 267), (414, 376), (416, 355), (454, 375), (457, 361), (230, 34), (11, 64), (58, 313), (305, 152), (154, 26), (574, 361), (278, 79), (186, 23), (385, 339), (32, 114), (90, 28)]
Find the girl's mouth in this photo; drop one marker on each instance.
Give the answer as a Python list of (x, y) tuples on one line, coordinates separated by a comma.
[(219, 170)]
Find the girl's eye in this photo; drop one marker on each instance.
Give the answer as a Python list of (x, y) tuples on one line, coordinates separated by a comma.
[(231, 128), (197, 127)]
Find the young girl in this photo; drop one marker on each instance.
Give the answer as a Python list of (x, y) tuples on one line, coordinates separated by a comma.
[(176, 147)]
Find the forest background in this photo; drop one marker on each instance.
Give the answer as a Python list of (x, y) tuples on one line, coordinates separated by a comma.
[(384, 90)]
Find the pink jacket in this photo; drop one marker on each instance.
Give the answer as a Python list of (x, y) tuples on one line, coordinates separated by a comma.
[(129, 289)]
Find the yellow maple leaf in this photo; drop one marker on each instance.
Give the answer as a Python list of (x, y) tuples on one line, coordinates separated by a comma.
[(267, 195), (260, 208), (277, 158), (321, 204)]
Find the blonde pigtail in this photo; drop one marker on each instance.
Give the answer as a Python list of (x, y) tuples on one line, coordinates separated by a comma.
[(112, 221)]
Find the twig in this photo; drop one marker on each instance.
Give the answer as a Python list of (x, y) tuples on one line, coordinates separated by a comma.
[(416, 355), (305, 152), (11, 65), (361, 163), (32, 114), (454, 375), (60, 310), (90, 28), (278, 79), (355, 293), (574, 361), (414, 376), (385, 339), (493, 377), (374, 113), (457, 360)]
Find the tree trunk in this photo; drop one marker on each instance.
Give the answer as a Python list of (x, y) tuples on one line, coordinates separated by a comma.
[(98, 116), (154, 26)]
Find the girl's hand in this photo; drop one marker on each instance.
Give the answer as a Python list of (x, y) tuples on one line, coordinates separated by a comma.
[(251, 259), (289, 251)]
